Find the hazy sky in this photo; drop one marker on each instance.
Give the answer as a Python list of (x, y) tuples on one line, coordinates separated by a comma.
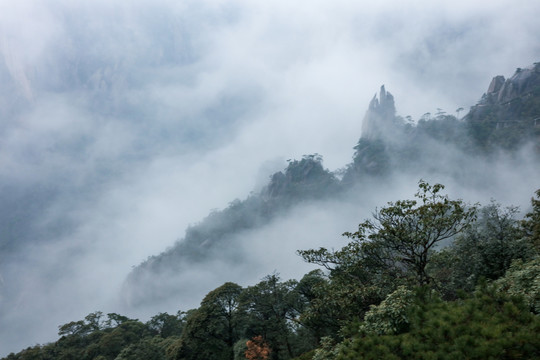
[(124, 122)]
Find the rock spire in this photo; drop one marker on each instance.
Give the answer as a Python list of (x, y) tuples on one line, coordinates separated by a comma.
[(379, 116)]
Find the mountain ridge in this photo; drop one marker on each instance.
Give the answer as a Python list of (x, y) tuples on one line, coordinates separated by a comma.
[(388, 144)]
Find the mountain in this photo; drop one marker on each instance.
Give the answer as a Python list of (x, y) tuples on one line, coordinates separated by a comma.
[(380, 117), (442, 145)]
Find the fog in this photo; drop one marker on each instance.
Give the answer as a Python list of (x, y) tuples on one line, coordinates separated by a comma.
[(122, 123)]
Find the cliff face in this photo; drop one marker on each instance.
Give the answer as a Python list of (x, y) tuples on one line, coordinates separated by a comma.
[(512, 99), (508, 114), (521, 83)]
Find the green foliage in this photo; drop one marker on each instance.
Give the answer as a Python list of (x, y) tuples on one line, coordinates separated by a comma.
[(391, 315), (392, 250), (272, 308), (212, 330), (127, 333), (485, 250), (531, 224), (342, 300), (488, 325), (402, 236), (240, 348), (91, 338), (320, 312), (146, 349), (166, 325), (328, 350), (523, 279), (307, 355)]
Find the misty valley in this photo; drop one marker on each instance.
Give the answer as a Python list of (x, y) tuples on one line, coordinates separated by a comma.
[(209, 179)]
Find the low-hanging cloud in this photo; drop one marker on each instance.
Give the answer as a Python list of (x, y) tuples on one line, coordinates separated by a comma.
[(124, 122)]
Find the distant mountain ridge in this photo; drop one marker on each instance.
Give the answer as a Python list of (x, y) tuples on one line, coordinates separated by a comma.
[(435, 144)]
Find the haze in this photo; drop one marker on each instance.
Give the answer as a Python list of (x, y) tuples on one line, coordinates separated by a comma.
[(124, 122)]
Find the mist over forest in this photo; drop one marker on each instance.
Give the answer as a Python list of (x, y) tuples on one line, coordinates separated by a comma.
[(151, 151)]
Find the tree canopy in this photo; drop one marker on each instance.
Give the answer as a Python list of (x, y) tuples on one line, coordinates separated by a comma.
[(391, 292), (402, 236)]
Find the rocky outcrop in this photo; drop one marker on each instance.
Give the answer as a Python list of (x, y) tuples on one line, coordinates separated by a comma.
[(503, 91), (509, 99), (508, 115)]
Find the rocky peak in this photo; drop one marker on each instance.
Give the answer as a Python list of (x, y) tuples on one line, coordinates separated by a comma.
[(501, 91), (508, 115), (379, 116)]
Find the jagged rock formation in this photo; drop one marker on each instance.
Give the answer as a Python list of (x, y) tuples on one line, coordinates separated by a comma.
[(380, 116), (506, 94), (523, 82), (509, 112), (380, 126)]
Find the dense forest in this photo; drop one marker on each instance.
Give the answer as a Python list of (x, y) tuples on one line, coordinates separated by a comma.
[(392, 292)]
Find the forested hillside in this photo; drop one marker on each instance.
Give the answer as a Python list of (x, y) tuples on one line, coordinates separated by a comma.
[(464, 150), (391, 292)]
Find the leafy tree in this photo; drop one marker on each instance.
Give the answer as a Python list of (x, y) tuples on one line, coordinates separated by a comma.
[(314, 315), (391, 315), (166, 325), (73, 328), (272, 308), (125, 334), (212, 330), (404, 233), (342, 299), (114, 320), (486, 249), (92, 322), (402, 237)]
